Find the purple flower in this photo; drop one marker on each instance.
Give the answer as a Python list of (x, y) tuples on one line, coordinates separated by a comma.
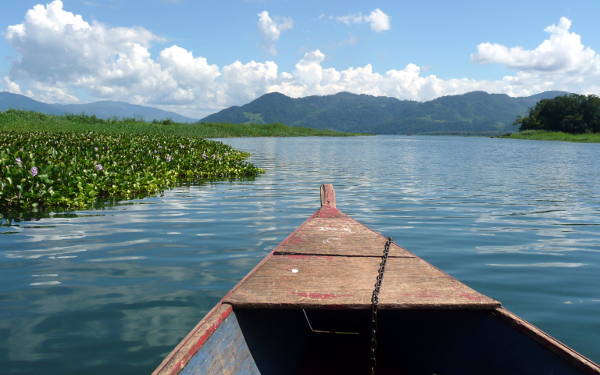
[(169, 158), (19, 161), (33, 171), (99, 167)]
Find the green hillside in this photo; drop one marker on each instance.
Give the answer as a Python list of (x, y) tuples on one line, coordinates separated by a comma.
[(472, 113)]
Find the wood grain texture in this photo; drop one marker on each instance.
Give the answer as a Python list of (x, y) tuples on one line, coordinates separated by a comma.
[(327, 196), (413, 283), (306, 281), (338, 235)]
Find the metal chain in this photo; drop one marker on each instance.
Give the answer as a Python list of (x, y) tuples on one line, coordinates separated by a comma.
[(375, 304)]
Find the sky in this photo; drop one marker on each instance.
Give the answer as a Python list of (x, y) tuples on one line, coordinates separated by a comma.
[(196, 57)]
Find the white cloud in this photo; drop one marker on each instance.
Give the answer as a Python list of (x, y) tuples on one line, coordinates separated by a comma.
[(62, 56), (271, 29), (377, 20), (53, 94), (563, 51), (310, 78), (11, 86), (244, 82)]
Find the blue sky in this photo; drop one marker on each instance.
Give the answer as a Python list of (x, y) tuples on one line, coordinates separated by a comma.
[(196, 57)]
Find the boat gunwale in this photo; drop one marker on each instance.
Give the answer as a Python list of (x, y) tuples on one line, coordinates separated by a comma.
[(548, 341), (171, 365), (175, 361)]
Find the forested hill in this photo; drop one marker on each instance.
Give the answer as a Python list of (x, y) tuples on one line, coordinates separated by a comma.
[(472, 113)]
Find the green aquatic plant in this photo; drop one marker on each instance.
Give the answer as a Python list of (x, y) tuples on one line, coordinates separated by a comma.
[(76, 170)]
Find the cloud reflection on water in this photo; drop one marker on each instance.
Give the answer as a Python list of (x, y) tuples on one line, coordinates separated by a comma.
[(135, 277)]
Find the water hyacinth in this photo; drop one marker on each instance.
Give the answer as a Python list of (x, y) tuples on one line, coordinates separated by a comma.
[(127, 171)]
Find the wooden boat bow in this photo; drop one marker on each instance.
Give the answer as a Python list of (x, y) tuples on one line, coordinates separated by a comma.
[(329, 264), (331, 261)]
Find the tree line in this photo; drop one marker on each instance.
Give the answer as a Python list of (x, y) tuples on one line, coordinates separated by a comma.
[(569, 113)]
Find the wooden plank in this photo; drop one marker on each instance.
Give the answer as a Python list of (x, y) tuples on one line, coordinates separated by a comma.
[(327, 196), (337, 235), (413, 283), (193, 341), (306, 281), (583, 363), (224, 353)]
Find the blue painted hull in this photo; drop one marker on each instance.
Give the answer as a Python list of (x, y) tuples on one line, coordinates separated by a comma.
[(449, 342)]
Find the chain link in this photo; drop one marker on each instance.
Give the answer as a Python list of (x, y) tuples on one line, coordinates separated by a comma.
[(375, 305)]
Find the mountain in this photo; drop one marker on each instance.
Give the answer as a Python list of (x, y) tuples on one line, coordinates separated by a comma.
[(473, 113), (102, 109), (14, 101)]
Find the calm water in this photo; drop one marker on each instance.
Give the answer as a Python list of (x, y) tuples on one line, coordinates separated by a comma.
[(114, 290)]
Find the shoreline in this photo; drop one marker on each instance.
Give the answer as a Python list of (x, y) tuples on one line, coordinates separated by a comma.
[(538, 135)]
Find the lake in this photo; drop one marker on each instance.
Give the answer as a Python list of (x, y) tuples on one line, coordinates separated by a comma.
[(114, 290)]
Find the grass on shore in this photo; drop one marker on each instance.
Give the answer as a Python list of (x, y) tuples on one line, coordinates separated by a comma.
[(53, 163), (33, 121), (554, 136)]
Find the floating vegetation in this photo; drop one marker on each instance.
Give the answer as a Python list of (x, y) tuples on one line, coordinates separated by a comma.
[(58, 170)]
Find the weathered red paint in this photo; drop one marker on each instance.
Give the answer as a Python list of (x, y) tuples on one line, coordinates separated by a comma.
[(314, 295), (288, 239), (327, 196), (192, 350), (201, 341), (296, 240), (328, 212)]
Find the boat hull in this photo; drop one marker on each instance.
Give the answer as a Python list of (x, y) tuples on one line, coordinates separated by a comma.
[(306, 309), (251, 341)]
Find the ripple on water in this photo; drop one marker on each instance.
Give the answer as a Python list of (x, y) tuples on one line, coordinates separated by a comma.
[(116, 288)]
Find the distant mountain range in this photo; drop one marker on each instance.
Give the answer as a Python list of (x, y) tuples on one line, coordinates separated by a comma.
[(473, 113), (102, 109)]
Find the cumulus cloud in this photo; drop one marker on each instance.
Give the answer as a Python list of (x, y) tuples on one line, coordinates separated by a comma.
[(562, 51), (561, 62), (62, 56), (377, 20), (310, 77), (271, 29), (11, 86)]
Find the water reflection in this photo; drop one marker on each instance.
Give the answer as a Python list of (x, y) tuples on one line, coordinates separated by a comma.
[(116, 288)]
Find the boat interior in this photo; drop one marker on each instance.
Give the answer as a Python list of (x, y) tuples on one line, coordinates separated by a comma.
[(441, 342)]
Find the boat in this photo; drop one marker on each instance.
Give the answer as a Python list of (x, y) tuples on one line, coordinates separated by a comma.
[(336, 297)]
